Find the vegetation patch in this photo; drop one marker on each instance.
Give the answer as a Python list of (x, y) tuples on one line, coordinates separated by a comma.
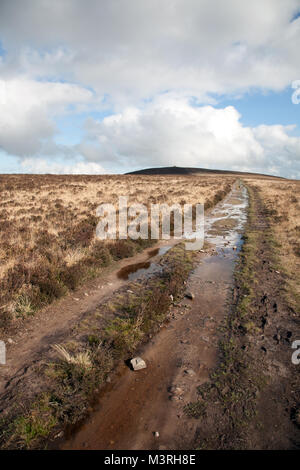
[(75, 369), (48, 243)]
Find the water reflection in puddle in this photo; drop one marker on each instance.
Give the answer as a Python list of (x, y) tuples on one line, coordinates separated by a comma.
[(228, 238), (223, 228), (134, 271)]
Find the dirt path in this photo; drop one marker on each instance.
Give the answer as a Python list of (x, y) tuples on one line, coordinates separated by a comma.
[(136, 405), (51, 324)]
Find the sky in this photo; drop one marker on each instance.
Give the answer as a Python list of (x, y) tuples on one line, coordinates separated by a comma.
[(113, 86)]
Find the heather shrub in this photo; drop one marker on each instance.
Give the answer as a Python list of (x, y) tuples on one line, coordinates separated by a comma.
[(45, 277), (121, 249), (70, 276), (101, 253)]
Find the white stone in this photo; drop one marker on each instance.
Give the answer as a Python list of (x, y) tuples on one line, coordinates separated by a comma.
[(138, 363)]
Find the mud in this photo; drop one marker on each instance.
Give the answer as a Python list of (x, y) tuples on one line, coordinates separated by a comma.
[(136, 405)]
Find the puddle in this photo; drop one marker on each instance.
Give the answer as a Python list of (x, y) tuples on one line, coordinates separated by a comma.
[(139, 403), (229, 219), (132, 272), (224, 223), (163, 249)]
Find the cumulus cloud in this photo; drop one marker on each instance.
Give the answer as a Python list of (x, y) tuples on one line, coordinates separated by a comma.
[(26, 112), (174, 132), (132, 50), (32, 165), (142, 61)]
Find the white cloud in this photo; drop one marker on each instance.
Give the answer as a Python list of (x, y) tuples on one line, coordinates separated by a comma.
[(132, 50), (33, 165), (173, 132), (27, 110), (158, 53)]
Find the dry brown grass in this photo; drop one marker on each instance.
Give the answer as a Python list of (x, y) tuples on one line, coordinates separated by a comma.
[(282, 199), (47, 229)]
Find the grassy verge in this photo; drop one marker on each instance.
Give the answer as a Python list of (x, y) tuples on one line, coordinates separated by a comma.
[(76, 368)]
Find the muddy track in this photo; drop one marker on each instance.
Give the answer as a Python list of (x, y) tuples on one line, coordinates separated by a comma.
[(255, 364), (26, 343), (136, 405), (52, 324)]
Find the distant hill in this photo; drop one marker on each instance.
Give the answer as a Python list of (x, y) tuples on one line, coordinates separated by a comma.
[(178, 170)]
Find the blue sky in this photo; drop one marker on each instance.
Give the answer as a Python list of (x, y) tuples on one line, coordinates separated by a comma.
[(2, 50), (266, 108), (257, 107), (112, 87)]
